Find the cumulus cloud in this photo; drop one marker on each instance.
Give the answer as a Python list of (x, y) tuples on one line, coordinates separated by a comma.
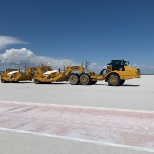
[(9, 40), (94, 64), (14, 57)]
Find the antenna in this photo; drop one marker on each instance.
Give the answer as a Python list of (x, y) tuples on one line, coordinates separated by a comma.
[(25, 66), (19, 67), (84, 62), (64, 65)]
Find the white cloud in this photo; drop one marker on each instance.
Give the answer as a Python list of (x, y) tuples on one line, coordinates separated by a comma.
[(143, 66), (13, 57), (94, 64), (8, 40), (146, 69)]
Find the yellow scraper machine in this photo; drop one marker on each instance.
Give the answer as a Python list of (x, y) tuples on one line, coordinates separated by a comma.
[(115, 74), (74, 74), (15, 75)]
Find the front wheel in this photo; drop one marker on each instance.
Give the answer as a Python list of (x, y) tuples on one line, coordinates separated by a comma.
[(85, 79), (114, 80)]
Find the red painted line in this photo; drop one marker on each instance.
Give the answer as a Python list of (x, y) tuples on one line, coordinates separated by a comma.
[(132, 128)]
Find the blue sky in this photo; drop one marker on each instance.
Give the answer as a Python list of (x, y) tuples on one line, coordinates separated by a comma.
[(77, 30)]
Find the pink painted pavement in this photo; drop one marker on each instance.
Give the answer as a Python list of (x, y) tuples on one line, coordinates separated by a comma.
[(126, 127)]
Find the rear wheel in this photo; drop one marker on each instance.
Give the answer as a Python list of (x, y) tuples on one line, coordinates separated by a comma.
[(85, 79), (122, 82), (114, 80), (74, 79)]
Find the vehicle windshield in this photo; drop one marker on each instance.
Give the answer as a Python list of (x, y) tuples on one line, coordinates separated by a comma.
[(119, 63)]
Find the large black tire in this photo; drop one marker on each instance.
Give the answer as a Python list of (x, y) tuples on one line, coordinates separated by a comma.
[(74, 79), (93, 82), (14, 81), (114, 80), (36, 81), (122, 82), (3, 81), (85, 79)]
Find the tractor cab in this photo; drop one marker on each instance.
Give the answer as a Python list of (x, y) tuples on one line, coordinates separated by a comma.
[(118, 65)]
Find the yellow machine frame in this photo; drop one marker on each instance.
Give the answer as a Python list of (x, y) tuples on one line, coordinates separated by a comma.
[(115, 74), (15, 75)]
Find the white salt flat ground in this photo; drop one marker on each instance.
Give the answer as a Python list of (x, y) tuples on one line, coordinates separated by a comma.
[(16, 143), (135, 94)]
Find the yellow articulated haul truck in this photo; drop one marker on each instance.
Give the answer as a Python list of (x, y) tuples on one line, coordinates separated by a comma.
[(118, 71), (15, 75), (115, 74)]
